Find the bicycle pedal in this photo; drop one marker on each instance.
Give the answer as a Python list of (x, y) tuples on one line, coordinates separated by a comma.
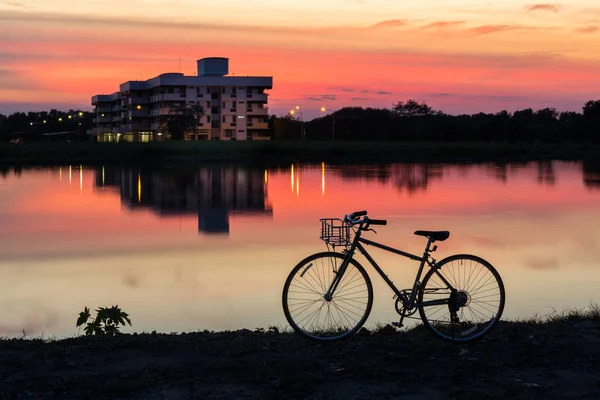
[(397, 324)]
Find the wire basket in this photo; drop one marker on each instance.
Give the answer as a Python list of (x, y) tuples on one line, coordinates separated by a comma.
[(335, 232)]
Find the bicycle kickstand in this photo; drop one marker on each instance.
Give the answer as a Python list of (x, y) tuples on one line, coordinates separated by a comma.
[(400, 324)]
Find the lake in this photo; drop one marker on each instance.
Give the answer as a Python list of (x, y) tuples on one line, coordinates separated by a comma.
[(188, 248)]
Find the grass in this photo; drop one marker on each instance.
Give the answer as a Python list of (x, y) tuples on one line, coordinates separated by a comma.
[(286, 151), (568, 315)]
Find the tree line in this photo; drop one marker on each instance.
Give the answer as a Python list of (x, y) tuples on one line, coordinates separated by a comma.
[(416, 121), (33, 125), (405, 121)]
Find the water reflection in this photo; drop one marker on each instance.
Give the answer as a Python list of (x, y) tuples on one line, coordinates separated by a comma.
[(69, 233), (212, 193)]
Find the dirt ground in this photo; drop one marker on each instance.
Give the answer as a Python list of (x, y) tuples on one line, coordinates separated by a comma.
[(558, 360)]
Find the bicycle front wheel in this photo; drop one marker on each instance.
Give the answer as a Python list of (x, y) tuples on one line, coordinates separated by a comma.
[(472, 308), (314, 317)]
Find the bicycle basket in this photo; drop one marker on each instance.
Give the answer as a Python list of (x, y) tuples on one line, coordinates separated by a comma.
[(335, 232)]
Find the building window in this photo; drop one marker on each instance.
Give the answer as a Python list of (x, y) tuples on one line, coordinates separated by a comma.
[(228, 132), (216, 124), (223, 118)]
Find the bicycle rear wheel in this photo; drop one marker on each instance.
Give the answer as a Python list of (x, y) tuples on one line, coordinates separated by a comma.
[(305, 306), (472, 309)]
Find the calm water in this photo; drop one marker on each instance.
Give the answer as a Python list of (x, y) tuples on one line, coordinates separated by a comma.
[(183, 249)]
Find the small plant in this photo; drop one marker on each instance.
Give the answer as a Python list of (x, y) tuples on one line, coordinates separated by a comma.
[(106, 323)]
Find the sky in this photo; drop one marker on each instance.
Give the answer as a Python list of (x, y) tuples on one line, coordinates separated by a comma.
[(462, 56)]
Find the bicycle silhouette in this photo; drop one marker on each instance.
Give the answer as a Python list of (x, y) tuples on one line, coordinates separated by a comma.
[(328, 296)]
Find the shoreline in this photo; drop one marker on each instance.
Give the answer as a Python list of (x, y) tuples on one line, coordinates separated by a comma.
[(552, 359), (285, 152)]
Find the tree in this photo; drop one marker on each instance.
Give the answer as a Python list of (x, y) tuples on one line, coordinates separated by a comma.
[(182, 118), (3, 127), (591, 109), (411, 109)]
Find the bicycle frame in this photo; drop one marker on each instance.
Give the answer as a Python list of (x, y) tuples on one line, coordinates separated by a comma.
[(409, 303)]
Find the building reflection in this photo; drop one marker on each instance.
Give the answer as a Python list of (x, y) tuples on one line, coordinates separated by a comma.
[(213, 193)]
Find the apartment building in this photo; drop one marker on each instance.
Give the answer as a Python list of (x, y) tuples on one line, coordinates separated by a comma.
[(234, 107)]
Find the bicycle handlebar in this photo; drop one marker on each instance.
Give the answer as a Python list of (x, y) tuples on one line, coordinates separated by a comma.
[(354, 218), (375, 221), (357, 214)]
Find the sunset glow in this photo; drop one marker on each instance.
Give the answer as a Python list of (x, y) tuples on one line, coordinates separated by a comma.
[(463, 56)]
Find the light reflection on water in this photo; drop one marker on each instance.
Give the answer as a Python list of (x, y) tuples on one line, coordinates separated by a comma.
[(188, 248)]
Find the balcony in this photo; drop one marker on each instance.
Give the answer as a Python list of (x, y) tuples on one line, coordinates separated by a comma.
[(144, 112), (257, 97), (257, 111), (257, 125), (139, 100), (168, 97), (229, 97), (97, 131), (103, 108), (105, 119), (134, 128)]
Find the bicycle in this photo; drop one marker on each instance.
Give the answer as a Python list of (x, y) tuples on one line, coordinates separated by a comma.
[(328, 296)]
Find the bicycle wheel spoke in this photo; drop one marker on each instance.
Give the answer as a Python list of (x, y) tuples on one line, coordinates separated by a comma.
[(304, 297), (475, 302)]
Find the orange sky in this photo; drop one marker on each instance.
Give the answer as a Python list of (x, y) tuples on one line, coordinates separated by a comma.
[(463, 57)]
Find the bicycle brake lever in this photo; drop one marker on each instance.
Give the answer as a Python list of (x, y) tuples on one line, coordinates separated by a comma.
[(371, 229)]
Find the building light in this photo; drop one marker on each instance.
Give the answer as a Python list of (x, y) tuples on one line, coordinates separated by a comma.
[(60, 120), (80, 114), (139, 107), (70, 117)]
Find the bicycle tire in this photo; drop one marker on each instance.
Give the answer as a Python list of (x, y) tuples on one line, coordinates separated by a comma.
[(309, 287), (480, 295)]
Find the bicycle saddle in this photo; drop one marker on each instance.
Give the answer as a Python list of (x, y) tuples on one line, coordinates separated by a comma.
[(434, 235)]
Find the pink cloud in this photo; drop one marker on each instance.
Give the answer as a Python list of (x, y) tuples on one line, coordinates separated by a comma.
[(489, 29), (543, 7), (443, 24), (588, 29), (389, 23)]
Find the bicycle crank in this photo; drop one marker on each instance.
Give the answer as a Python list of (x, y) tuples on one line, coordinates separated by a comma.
[(400, 308)]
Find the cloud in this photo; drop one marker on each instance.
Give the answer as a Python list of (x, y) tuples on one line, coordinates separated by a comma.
[(542, 264), (14, 80), (382, 92), (543, 7), (489, 29), (17, 5), (347, 90), (322, 97), (392, 23), (588, 29), (360, 98), (443, 24)]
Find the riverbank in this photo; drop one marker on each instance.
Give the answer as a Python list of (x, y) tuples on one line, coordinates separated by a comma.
[(555, 359), (280, 152)]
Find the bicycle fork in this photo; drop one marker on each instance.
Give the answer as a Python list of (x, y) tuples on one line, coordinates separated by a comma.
[(338, 275)]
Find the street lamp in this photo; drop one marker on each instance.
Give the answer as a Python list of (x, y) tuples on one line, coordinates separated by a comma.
[(323, 109), (299, 112)]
